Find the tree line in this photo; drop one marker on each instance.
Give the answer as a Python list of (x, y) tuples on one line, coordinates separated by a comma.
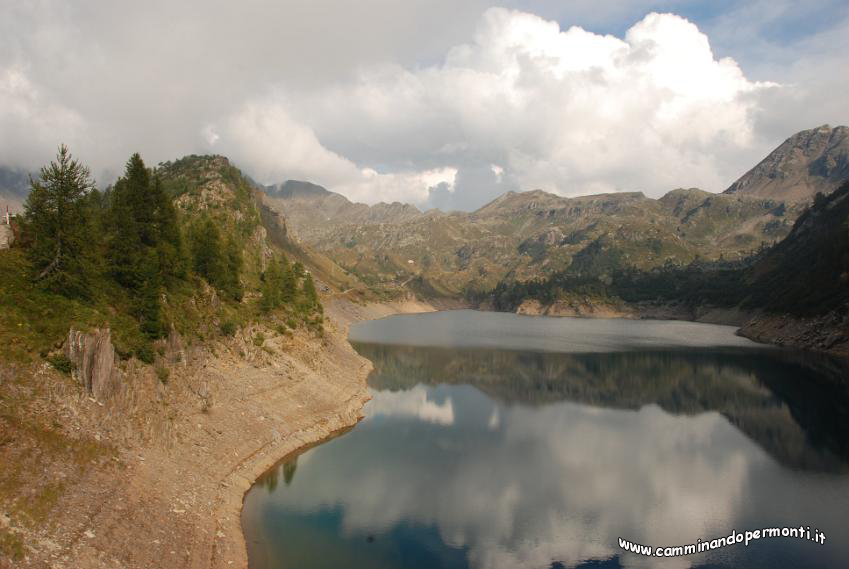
[(129, 241)]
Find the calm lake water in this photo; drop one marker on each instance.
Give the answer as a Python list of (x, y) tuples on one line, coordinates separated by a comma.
[(495, 441)]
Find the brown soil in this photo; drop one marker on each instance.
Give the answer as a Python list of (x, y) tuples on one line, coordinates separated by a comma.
[(165, 467)]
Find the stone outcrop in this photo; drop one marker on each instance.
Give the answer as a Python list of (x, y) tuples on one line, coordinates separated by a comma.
[(94, 360)]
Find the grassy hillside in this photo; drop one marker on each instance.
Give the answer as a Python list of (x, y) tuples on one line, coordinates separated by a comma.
[(529, 235)]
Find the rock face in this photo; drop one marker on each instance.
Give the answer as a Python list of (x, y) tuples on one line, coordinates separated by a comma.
[(94, 359), (808, 162)]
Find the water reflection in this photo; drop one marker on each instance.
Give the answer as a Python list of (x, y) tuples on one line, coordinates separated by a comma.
[(492, 458), (794, 405)]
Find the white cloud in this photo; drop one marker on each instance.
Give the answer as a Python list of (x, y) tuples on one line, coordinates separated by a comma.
[(567, 111), (380, 99), (28, 120), (273, 146), (414, 402)]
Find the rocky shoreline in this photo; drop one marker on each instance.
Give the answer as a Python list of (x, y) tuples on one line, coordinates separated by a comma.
[(168, 491)]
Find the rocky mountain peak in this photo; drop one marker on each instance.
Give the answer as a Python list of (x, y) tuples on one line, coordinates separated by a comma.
[(811, 161)]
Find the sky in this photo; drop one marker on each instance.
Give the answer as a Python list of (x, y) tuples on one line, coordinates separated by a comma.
[(440, 103)]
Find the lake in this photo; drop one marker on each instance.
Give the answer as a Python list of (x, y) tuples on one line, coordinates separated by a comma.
[(496, 441)]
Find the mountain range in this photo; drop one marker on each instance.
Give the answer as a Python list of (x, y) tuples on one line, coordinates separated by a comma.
[(535, 234), (394, 248)]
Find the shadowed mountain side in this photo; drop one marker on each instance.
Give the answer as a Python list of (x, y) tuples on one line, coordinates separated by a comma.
[(794, 293), (778, 400)]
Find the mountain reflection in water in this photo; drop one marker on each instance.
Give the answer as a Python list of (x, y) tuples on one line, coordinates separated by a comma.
[(794, 405), (494, 458)]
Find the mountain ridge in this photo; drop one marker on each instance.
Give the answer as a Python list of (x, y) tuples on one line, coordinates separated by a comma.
[(809, 162), (534, 234)]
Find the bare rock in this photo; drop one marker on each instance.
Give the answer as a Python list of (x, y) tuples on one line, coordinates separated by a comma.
[(95, 361)]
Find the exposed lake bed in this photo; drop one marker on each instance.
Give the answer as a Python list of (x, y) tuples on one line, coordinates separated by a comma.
[(493, 440)]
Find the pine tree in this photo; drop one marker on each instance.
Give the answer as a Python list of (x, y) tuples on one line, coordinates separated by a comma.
[(271, 291), (131, 225), (172, 255), (207, 259), (232, 275), (124, 243), (310, 294), (149, 306), (57, 217), (288, 283), (142, 200)]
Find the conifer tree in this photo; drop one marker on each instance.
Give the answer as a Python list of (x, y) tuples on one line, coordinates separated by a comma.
[(207, 259), (310, 294), (131, 225), (271, 290), (172, 256), (149, 306), (57, 216), (288, 284), (232, 276)]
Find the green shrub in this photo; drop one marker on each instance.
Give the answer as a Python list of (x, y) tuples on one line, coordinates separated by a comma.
[(259, 339), (61, 363), (145, 353), (228, 328), (163, 373)]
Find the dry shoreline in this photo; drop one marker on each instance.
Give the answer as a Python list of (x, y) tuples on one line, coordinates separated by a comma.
[(174, 499)]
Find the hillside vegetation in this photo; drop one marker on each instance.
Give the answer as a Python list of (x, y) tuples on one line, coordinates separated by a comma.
[(521, 236), (176, 263), (806, 274), (395, 248), (178, 247)]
